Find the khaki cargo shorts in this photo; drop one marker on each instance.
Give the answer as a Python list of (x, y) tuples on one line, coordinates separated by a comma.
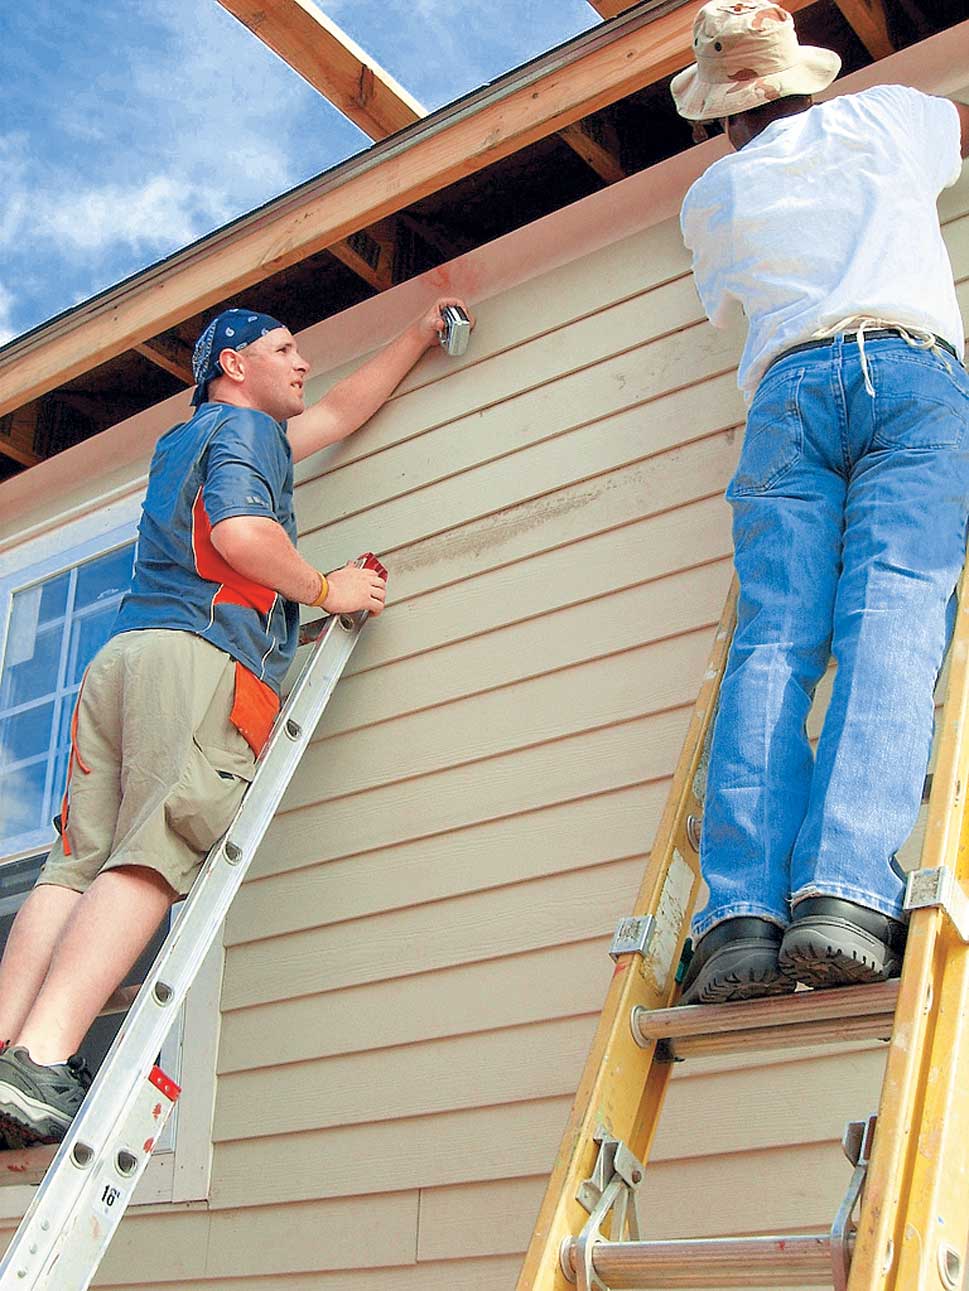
[(159, 769)]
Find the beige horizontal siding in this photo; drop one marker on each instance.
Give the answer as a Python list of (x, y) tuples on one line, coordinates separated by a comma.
[(496, 1274), (415, 965), (424, 932)]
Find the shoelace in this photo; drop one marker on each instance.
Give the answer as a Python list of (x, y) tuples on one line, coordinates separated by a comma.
[(79, 1069), (917, 337)]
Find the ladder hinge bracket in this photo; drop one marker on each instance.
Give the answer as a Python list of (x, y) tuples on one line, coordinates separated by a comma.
[(633, 936), (608, 1193), (939, 889), (858, 1140)]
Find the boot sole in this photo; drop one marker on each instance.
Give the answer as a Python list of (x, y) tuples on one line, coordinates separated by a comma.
[(738, 971), (822, 953), (29, 1121)]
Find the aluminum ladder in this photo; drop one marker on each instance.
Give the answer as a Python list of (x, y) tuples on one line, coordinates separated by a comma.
[(91, 1179), (904, 1221)]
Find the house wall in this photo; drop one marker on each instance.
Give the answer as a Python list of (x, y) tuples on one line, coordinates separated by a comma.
[(416, 962)]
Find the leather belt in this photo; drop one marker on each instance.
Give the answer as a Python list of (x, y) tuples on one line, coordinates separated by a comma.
[(876, 334)]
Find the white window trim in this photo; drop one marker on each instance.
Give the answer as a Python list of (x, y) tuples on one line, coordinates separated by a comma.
[(180, 1168)]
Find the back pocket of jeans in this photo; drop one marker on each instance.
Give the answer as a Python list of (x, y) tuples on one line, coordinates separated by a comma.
[(773, 436), (918, 403)]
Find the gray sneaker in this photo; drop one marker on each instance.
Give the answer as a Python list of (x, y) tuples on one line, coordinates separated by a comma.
[(38, 1103)]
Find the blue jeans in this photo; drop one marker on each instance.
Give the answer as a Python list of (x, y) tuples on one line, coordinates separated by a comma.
[(849, 516)]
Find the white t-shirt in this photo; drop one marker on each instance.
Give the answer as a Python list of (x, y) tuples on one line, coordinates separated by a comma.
[(828, 214)]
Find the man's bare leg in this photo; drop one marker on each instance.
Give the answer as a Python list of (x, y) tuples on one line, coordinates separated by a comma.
[(36, 930), (106, 932)]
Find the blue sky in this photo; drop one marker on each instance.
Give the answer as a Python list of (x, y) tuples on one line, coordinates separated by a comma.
[(128, 128)]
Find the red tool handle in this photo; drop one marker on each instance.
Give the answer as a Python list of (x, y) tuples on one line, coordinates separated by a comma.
[(369, 561)]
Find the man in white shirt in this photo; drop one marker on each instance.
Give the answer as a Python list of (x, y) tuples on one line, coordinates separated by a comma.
[(850, 501)]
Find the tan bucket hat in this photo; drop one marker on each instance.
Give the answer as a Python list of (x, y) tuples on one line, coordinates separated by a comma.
[(747, 54)]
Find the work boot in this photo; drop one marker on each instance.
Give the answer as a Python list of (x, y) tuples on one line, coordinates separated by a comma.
[(831, 942), (38, 1103), (736, 960)]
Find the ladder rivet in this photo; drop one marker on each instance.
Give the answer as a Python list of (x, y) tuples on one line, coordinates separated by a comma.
[(637, 1176), (163, 993), (233, 853), (44, 1225), (346, 623), (293, 729)]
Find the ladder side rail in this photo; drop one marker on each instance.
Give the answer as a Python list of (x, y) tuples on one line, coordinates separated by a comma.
[(629, 1108), (933, 1234), (122, 1076), (920, 1068)]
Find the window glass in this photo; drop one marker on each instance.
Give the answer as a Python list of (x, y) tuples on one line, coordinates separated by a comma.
[(55, 628), (26, 733)]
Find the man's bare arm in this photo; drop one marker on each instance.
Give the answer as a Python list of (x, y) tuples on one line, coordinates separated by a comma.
[(355, 399), (259, 549), (963, 111)]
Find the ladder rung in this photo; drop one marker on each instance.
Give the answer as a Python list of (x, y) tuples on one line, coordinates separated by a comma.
[(775, 1261), (778, 1022), (121, 1001)]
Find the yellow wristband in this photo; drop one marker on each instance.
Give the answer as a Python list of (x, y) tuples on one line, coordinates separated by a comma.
[(324, 591)]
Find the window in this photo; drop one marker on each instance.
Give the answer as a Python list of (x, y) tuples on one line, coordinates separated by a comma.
[(56, 626), (59, 594)]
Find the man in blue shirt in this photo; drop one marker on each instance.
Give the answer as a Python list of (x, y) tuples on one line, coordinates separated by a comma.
[(176, 707)]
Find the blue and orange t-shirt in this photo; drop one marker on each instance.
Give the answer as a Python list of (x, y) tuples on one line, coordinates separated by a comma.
[(226, 461)]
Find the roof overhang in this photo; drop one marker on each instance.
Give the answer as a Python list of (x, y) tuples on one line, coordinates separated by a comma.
[(600, 67)]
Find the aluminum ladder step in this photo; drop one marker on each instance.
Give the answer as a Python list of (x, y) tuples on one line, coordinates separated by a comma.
[(847, 1013), (797, 1260)]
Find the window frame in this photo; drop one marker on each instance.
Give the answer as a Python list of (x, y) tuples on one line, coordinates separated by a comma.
[(180, 1168)]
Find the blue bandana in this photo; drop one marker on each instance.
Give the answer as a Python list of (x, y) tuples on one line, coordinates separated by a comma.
[(233, 329)]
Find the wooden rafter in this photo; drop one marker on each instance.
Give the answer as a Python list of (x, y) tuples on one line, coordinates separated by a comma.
[(552, 93), (611, 8), (169, 353), (869, 21), (17, 432), (370, 253), (301, 34), (598, 146), (867, 18), (305, 38)]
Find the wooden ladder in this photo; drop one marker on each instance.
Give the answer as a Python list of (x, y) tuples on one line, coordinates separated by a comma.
[(904, 1221)]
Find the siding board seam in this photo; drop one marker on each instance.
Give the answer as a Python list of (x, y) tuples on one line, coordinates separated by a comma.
[(665, 393)]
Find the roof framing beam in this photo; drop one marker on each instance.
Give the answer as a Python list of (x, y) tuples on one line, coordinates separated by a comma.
[(869, 21), (17, 436), (305, 38), (169, 353), (598, 68), (598, 146), (611, 8)]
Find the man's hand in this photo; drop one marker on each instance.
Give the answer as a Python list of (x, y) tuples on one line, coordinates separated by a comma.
[(352, 589), (431, 325)]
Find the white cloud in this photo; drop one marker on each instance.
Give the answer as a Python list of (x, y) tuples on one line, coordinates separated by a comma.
[(162, 211), (7, 330)]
